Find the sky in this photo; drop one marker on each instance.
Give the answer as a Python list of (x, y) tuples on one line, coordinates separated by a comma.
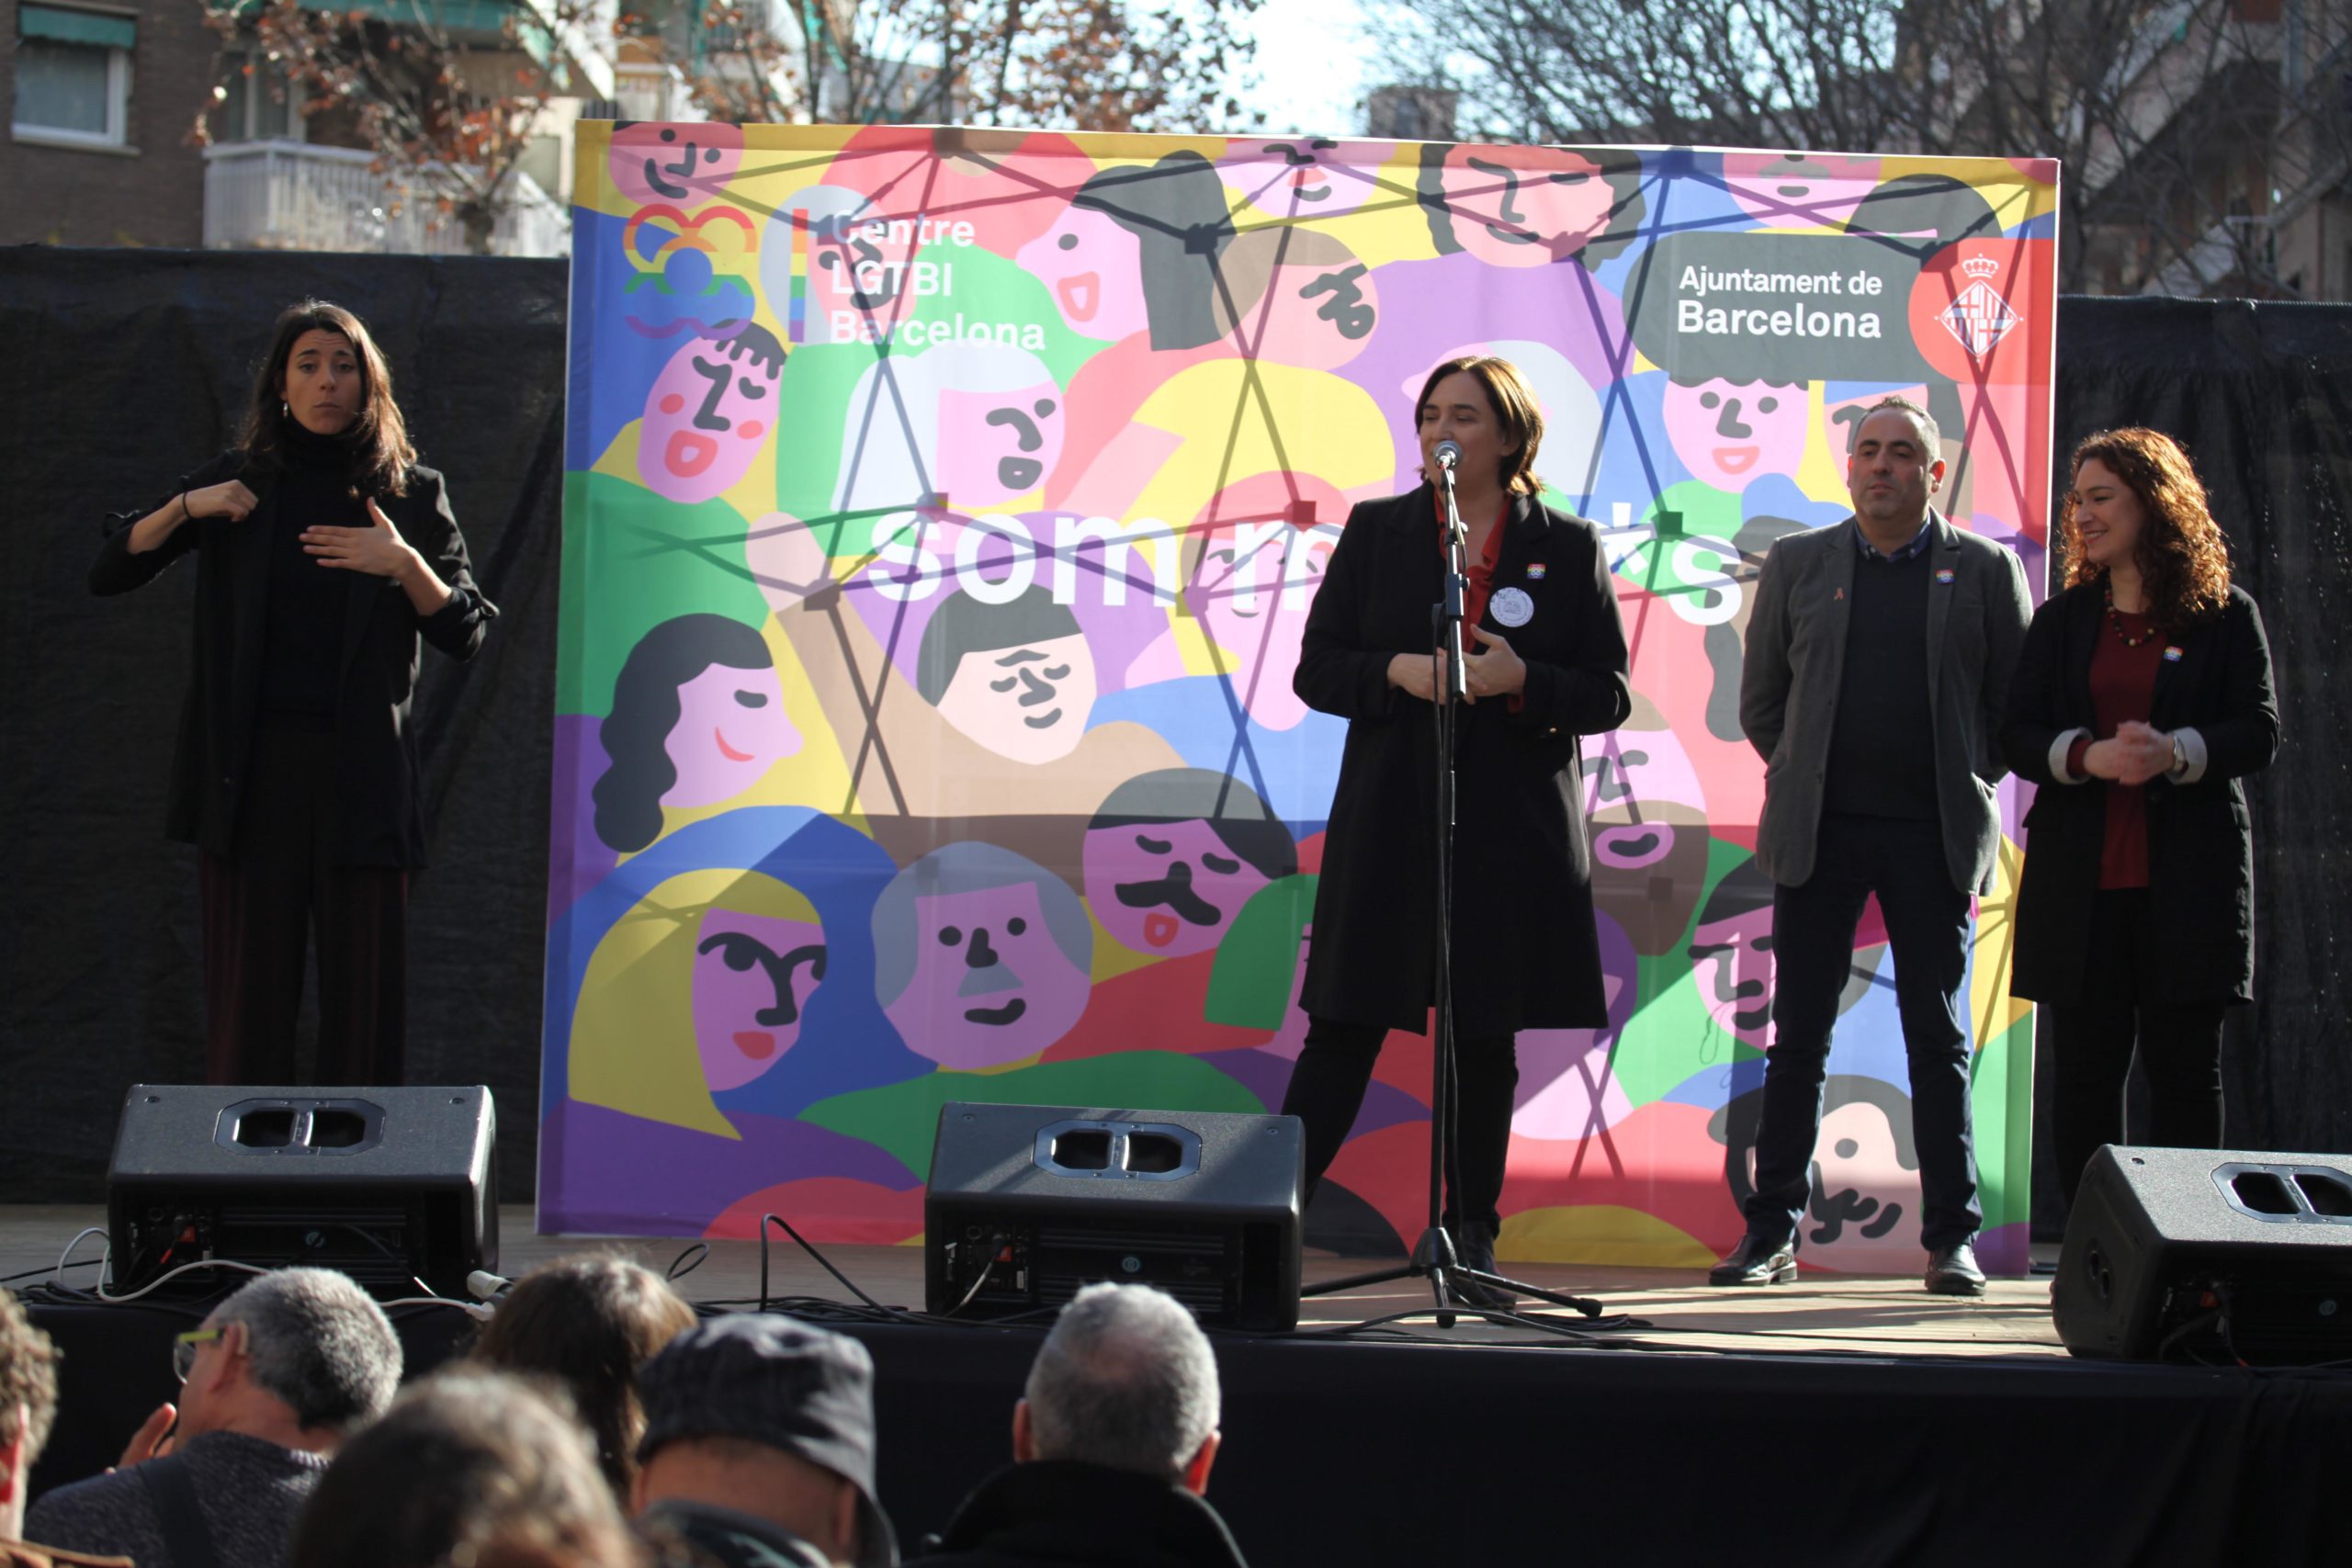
[(1314, 67)]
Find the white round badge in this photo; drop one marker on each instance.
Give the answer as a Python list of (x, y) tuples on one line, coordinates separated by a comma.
[(1511, 606)]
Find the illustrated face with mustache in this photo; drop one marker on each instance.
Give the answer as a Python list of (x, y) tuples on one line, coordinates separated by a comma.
[(1029, 702), (1730, 961), (990, 984), (753, 978), (1862, 1193), (1167, 890)]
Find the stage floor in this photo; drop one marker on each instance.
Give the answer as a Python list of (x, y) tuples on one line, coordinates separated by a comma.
[(1874, 1316)]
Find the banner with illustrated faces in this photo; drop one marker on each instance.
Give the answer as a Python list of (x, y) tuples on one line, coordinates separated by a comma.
[(943, 510)]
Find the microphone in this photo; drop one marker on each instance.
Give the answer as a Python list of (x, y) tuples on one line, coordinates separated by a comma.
[(1448, 452)]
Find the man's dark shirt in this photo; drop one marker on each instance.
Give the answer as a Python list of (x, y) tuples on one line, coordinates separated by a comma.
[(1883, 748), (1061, 1513)]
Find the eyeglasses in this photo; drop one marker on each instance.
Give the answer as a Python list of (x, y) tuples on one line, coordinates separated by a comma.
[(184, 1350)]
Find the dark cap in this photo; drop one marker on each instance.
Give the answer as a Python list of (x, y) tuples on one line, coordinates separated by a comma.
[(769, 1379)]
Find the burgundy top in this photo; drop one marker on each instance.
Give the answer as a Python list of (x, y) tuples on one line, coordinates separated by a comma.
[(2123, 687), (1481, 580)]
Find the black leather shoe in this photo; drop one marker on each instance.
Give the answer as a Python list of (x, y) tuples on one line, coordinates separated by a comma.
[(1953, 1271), (1757, 1261), (1475, 1250)]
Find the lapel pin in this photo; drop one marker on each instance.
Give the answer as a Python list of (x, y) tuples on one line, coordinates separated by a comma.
[(2172, 654), (1945, 574), (1839, 594), (1535, 569)]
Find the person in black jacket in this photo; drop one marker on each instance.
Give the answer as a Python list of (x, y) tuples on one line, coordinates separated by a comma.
[(325, 551), (1545, 661), (1112, 1443), (2142, 698)]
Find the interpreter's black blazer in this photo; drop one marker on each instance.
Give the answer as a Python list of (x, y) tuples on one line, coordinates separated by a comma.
[(1525, 952), (2201, 848), (376, 769)]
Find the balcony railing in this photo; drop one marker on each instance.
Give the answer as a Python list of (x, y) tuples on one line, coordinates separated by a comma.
[(291, 195)]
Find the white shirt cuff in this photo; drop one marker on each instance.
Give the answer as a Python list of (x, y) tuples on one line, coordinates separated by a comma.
[(2192, 747), (2058, 750)]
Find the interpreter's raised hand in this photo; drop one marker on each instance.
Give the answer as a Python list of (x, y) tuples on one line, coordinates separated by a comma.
[(1494, 670), (787, 560), (379, 551), (154, 1438), (2143, 752), (1420, 675), (227, 499)]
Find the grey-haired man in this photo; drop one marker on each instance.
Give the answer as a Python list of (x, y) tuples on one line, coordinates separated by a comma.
[(281, 1373), (1113, 1444)]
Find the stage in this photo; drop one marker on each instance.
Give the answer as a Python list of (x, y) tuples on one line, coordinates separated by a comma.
[(1840, 1420)]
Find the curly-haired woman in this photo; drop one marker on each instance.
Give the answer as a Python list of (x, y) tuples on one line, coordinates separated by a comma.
[(2143, 696)]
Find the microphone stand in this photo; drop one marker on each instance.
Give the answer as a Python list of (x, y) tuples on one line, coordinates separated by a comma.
[(1435, 1255)]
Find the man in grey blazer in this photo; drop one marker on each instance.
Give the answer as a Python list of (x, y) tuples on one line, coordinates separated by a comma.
[(1880, 761)]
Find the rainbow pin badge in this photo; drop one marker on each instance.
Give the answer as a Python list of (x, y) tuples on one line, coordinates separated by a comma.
[(1535, 571), (1945, 575), (2172, 654)]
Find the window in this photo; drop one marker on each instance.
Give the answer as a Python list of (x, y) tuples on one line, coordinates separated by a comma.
[(259, 101), (73, 74)]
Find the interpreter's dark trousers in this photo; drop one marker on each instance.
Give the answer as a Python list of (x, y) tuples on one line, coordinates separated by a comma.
[(2091, 1043), (278, 887), (1812, 952), (1327, 1090)]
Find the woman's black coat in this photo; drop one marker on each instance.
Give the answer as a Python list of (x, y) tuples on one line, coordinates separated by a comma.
[(376, 762), (1525, 952), (2200, 851)]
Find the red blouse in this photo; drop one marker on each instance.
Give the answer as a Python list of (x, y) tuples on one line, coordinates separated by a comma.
[(2123, 687)]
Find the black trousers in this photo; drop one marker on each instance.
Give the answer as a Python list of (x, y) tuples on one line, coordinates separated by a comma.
[(2091, 1045), (279, 888), (1813, 954), (1326, 1088)]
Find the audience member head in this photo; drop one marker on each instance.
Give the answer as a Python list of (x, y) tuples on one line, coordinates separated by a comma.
[(28, 1406), (301, 1357), (589, 1323), (471, 1466), (772, 1417), (1125, 1380)]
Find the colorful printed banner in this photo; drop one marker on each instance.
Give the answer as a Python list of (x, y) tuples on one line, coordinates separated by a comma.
[(943, 509)]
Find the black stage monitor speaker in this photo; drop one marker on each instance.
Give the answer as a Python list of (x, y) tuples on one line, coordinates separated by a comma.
[(1028, 1203), (2210, 1253), (389, 1184)]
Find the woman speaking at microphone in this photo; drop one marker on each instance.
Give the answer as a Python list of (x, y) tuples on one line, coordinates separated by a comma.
[(1544, 662), (325, 550)]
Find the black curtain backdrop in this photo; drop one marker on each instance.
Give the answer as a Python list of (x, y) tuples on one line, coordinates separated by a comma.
[(126, 368), (2261, 395)]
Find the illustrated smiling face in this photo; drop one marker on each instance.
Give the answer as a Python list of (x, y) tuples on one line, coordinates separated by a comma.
[(731, 729), (1728, 433), (674, 164), (753, 978), (1093, 268), (1165, 888), (991, 984)]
